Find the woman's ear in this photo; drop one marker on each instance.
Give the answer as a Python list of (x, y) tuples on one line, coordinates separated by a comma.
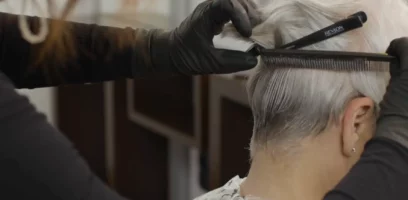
[(357, 120)]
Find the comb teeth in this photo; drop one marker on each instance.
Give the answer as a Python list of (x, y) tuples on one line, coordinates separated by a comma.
[(332, 64)]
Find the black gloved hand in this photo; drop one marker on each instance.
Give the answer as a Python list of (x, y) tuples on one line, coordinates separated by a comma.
[(189, 49), (393, 121)]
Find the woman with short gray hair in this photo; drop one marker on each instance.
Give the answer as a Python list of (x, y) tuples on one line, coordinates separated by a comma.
[(311, 126)]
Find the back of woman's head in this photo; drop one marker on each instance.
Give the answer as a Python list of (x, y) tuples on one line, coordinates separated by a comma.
[(291, 104)]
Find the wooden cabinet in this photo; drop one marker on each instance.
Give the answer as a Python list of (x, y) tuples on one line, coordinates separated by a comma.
[(123, 132), (171, 107), (140, 116), (80, 115), (230, 130), (140, 154)]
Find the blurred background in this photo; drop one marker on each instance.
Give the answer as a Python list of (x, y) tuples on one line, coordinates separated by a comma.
[(160, 139)]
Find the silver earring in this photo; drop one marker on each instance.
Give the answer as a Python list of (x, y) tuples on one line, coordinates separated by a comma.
[(353, 150)]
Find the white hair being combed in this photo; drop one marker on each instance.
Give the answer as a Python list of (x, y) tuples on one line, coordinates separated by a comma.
[(291, 104)]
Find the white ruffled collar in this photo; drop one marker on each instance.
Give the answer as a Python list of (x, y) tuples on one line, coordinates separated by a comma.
[(230, 191)]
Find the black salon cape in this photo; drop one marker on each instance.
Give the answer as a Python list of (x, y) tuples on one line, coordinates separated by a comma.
[(38, 162)]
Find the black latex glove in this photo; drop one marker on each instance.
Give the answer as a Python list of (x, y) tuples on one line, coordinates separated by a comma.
[(393, 121), (189, 50)]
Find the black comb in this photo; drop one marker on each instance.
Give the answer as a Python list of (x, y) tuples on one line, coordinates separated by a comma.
[(328, 60), (350, 23), (288, 55)]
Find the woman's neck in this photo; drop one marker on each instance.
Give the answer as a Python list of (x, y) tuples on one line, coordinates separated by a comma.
[(298, 178)]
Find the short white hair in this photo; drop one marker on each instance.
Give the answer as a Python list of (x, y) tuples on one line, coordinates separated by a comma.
[(291, 104)]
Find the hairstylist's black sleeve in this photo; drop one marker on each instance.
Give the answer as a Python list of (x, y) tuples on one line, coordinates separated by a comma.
[(186, 50), (381, 174), (36, 160), (95, 61)]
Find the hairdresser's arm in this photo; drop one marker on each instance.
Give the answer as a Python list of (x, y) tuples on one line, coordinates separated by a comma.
[(36, 160), (187, 50), (382, 172)]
